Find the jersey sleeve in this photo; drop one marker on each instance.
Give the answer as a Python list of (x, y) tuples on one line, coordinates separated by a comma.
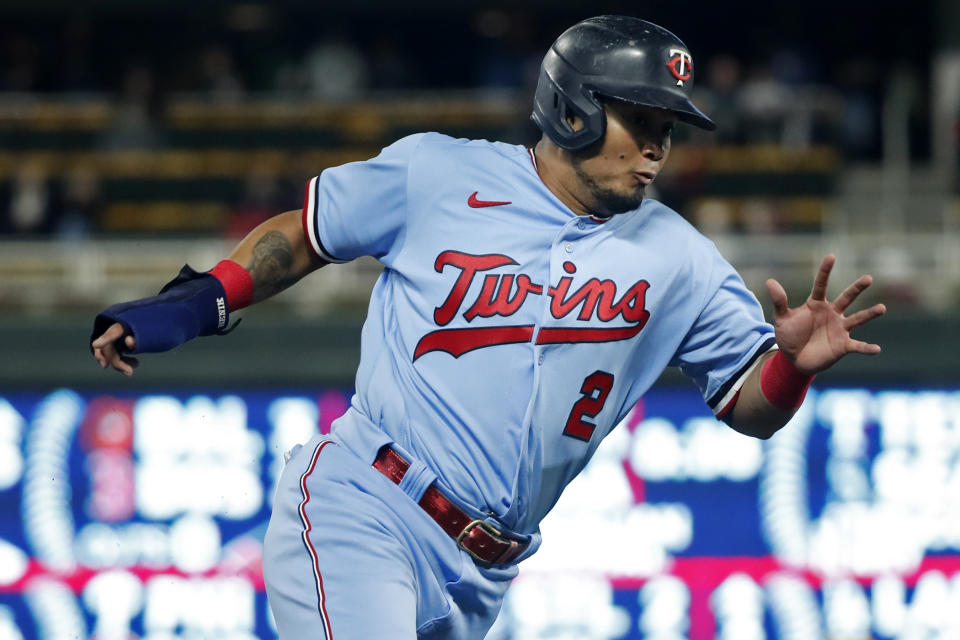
[(726, 340), (359, 208)]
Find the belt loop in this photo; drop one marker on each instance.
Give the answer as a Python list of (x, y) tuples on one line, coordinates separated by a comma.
[(418, 478)]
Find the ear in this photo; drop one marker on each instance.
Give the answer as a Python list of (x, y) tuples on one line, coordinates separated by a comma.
[(576, 122)]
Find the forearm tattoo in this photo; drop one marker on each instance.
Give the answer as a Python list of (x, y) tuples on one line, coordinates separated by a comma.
[(271, 265)]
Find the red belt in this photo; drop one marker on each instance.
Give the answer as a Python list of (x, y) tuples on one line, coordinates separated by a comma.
[(477, 537)]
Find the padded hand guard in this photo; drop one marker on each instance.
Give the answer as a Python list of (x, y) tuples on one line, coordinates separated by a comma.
[(192, 304)]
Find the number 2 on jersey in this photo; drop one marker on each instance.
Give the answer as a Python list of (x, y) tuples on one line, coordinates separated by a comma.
[(595, 389)]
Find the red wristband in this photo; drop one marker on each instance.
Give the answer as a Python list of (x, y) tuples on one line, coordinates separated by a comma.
[(782, 385), (237, 283)]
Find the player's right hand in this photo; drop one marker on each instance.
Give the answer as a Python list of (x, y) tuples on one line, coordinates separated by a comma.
[(108, 355)]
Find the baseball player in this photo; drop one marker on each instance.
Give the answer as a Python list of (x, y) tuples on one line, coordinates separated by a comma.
[(529, 298)]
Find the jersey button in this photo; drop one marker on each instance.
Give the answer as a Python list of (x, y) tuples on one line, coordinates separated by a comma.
[(568, 247), (540, 359), (581, 225)]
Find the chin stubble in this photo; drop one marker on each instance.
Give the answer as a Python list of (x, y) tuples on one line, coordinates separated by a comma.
[(609, 201)]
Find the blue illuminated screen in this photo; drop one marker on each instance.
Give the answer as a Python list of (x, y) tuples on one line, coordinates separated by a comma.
[(143, 515)]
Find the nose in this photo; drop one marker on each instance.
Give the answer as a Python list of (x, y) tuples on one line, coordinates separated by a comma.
[(652, 151)]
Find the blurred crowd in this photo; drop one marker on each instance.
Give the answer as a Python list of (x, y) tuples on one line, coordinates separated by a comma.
[(783, 95), (35, 204)]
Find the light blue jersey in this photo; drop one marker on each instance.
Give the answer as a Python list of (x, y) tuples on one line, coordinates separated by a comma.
[(507, 336)]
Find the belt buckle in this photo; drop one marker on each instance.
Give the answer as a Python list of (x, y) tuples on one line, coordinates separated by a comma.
[(486, 526), (483, 524)]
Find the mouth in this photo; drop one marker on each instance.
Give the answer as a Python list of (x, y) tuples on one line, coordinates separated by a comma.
[(644, 177)]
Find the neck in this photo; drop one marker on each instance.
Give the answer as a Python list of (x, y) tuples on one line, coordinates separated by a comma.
[(557, 172)]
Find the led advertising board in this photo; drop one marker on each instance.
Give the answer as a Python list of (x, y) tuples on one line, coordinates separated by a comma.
[(142, 515)]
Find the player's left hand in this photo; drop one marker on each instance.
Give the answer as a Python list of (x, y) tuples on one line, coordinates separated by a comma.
[(106, 351), (816, 335)]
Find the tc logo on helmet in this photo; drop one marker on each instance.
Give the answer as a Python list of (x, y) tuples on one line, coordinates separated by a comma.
[(680, 65)]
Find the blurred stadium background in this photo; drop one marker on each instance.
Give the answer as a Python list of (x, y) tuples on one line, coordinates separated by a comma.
[(137, 136)]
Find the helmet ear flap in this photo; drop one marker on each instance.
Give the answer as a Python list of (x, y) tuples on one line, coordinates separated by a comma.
[(560, 97)]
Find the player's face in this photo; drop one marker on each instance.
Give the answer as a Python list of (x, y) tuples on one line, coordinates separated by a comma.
[(615, 172)]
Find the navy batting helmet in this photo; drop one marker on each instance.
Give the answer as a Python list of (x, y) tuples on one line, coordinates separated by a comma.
[(617, 57)]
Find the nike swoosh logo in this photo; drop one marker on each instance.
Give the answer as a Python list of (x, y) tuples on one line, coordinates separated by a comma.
[(476, 204)]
